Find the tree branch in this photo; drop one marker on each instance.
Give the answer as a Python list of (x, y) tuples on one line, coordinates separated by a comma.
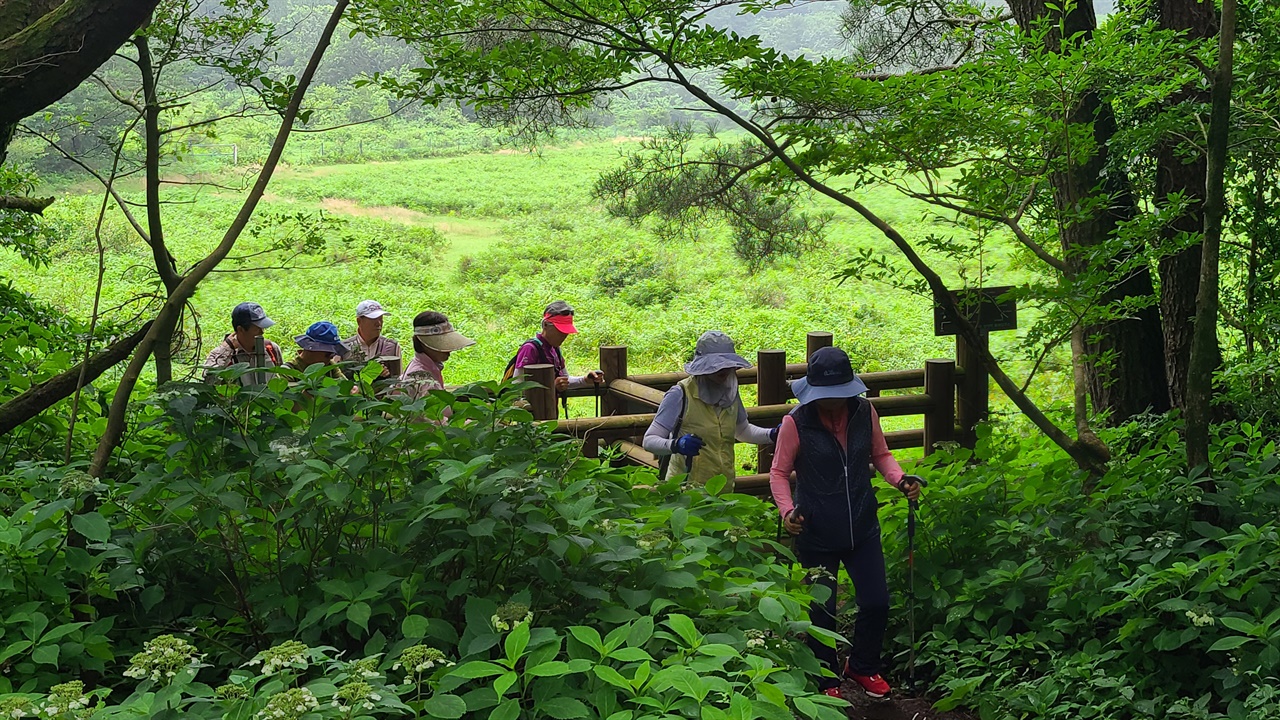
[(35, 206)]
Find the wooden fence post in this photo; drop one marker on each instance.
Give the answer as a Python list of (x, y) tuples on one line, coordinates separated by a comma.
[(815, 341), (940, 419), (542, 400), (259, 360), (973, 398), (771, 389), (613, 363)]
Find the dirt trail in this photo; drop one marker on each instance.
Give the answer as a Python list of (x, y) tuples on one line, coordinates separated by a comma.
[(895, 708), (382, 212)]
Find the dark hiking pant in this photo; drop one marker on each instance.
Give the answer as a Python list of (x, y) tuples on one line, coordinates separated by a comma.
[(865, 565)]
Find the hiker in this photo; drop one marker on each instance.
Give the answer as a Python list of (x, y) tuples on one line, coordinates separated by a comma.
[(248, 321), (830, 441), (544, 349), (319, 345), (370, 344), (433, 340), (701, 417)]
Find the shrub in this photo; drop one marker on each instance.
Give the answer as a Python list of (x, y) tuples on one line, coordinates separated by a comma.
[(364, 527)]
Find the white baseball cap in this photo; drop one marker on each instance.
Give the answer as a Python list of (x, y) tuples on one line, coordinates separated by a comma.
[(370, 309)]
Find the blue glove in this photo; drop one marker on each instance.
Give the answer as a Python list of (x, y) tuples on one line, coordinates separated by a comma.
[(773, 433), (688, 445)]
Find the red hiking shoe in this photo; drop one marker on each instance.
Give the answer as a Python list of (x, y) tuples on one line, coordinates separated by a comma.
[(873, 685), (833, 692)]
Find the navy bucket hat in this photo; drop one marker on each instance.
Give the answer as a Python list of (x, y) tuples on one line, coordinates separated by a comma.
[(830, 376)]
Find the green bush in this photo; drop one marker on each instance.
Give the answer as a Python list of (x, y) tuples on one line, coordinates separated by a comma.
[(311, 511), (1042, 601)]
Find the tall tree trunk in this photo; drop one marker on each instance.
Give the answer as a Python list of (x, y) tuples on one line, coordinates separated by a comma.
[(49, 57), (166, 266), (1177, 173), (1124, 364), (1204, 348), (172, 308)]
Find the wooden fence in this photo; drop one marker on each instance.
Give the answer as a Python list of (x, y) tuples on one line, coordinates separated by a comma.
[(952, 400)]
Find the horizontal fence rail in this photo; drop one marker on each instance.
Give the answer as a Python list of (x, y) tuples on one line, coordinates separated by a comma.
[(947, 394)]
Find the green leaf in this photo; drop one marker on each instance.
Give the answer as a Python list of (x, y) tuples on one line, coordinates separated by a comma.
[(588, 636), (630, 655), (359, 614), (1239, 624), (477, 669), (716, 484), (516, 643), (92, 526), (1229, 643), (613, 677), (46, 655), (719, 650), (641, 631), (771, 693), (555, 668), (504, 683), (772, 610), (415, 627), (563, 708), (508, 710), (685, 628), (449, 707)]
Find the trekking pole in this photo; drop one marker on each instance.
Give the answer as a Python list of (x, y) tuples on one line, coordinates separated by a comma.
[(597, 384), (912, 506)]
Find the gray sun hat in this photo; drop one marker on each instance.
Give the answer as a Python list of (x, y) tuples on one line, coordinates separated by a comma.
[(830, 376), (714, 352)]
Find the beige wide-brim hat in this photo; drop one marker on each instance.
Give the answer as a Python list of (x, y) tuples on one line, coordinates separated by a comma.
[(442, 337)]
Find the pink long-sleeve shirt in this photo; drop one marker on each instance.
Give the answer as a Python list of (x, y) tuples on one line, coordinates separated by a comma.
[(784, 456)]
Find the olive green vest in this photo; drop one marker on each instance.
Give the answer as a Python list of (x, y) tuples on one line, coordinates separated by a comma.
[(716, 426)]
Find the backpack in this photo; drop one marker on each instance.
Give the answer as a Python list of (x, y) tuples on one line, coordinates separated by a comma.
[(510, 372)]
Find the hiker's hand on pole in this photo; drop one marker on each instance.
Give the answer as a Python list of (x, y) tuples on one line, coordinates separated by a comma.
[(595, 377), (688, 445), (562, 384), (910, 486), (793, 522)]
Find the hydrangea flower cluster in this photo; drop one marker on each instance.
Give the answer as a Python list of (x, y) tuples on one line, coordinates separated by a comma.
[(755, 639), (511, 615), (364, 669), (292, 654), (1200, 616), (650, 540), (16, 706), (289, 705), (67, 698), (76, 483), (356, 693), (161, 659), (1164, 539), (288, 449), (606, 526), (232, 692), (736, 534), (421, 658)]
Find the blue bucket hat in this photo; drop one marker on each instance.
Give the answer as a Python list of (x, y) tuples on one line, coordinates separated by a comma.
[(323, 337), (830, 375), (713, 353)]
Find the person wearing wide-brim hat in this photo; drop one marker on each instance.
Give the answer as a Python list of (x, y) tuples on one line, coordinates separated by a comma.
[(830, 441), (434, 339), (319, 345), (701, 417)]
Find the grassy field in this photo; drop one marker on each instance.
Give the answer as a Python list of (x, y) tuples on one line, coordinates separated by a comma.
[(489, 239)]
